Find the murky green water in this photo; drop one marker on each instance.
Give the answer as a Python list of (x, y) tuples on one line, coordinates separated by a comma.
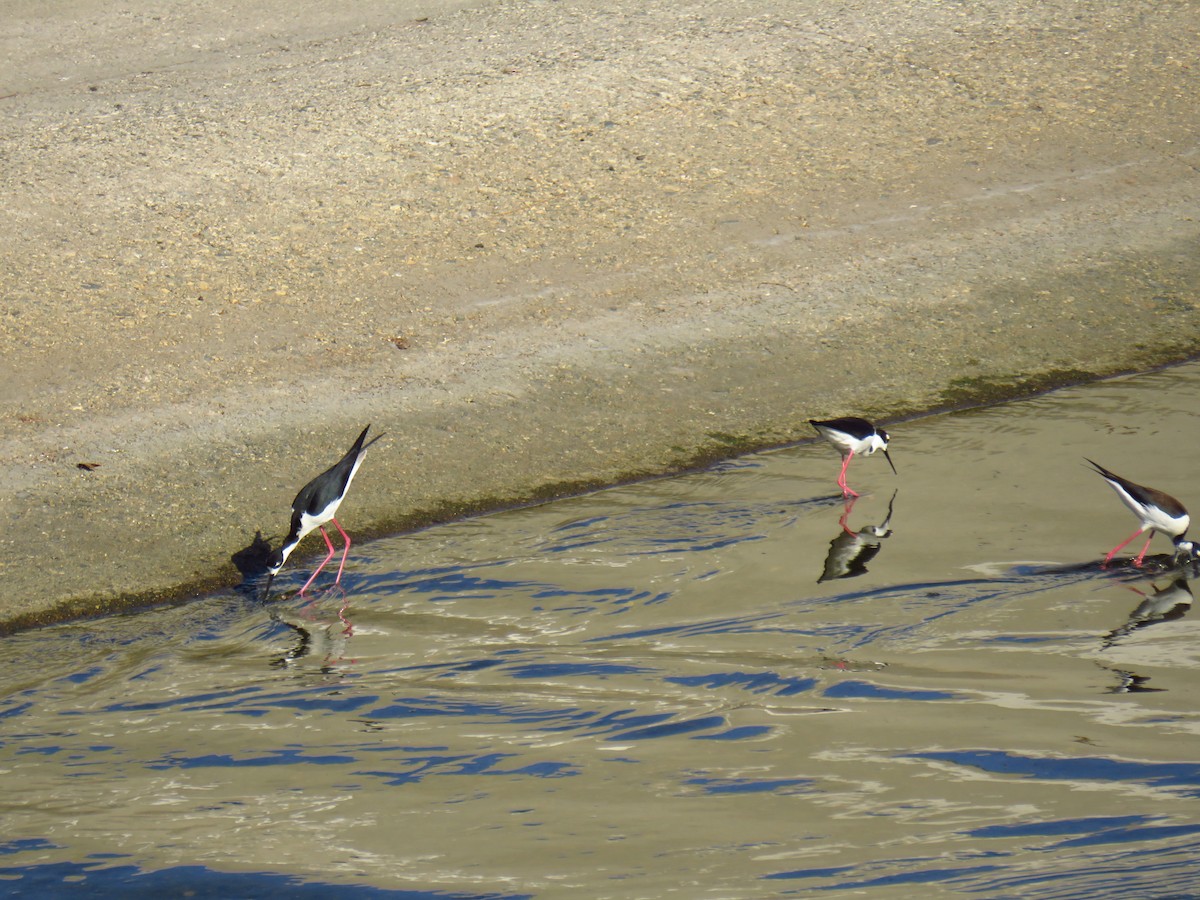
[(668, 689)]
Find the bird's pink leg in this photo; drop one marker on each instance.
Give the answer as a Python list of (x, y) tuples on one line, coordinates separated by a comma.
[(345, 552), (1114, 550), (846, 491), (1142, 555), (329, 544)]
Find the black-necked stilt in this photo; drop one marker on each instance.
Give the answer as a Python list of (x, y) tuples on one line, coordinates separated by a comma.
[(1158, 512), (852, 435), (316, 504)]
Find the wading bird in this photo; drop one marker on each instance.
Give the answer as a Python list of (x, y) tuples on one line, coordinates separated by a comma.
[(853, 435), (1157, 511), (316, 504)]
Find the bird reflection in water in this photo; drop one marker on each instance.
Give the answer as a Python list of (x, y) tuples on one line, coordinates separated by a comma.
[(317, 636), (1166, 604), (851, 550)]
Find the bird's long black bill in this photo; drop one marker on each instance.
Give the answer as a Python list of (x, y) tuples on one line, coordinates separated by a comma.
[(267, 593), (890, 463)]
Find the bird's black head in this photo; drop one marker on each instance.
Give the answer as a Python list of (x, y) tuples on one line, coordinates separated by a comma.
[(274, 564), (1186, 550)]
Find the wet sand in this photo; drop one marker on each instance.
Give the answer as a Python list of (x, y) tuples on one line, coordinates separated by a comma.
[(545, 246)]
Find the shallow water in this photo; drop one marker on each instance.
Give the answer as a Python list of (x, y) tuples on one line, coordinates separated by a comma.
[(668, 688)]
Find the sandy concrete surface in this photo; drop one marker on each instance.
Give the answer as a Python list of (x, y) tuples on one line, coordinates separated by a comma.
[(544, 245)]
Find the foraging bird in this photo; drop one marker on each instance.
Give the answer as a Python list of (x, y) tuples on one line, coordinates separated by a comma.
[(852, 435), (316, 504), (1158, 512)]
